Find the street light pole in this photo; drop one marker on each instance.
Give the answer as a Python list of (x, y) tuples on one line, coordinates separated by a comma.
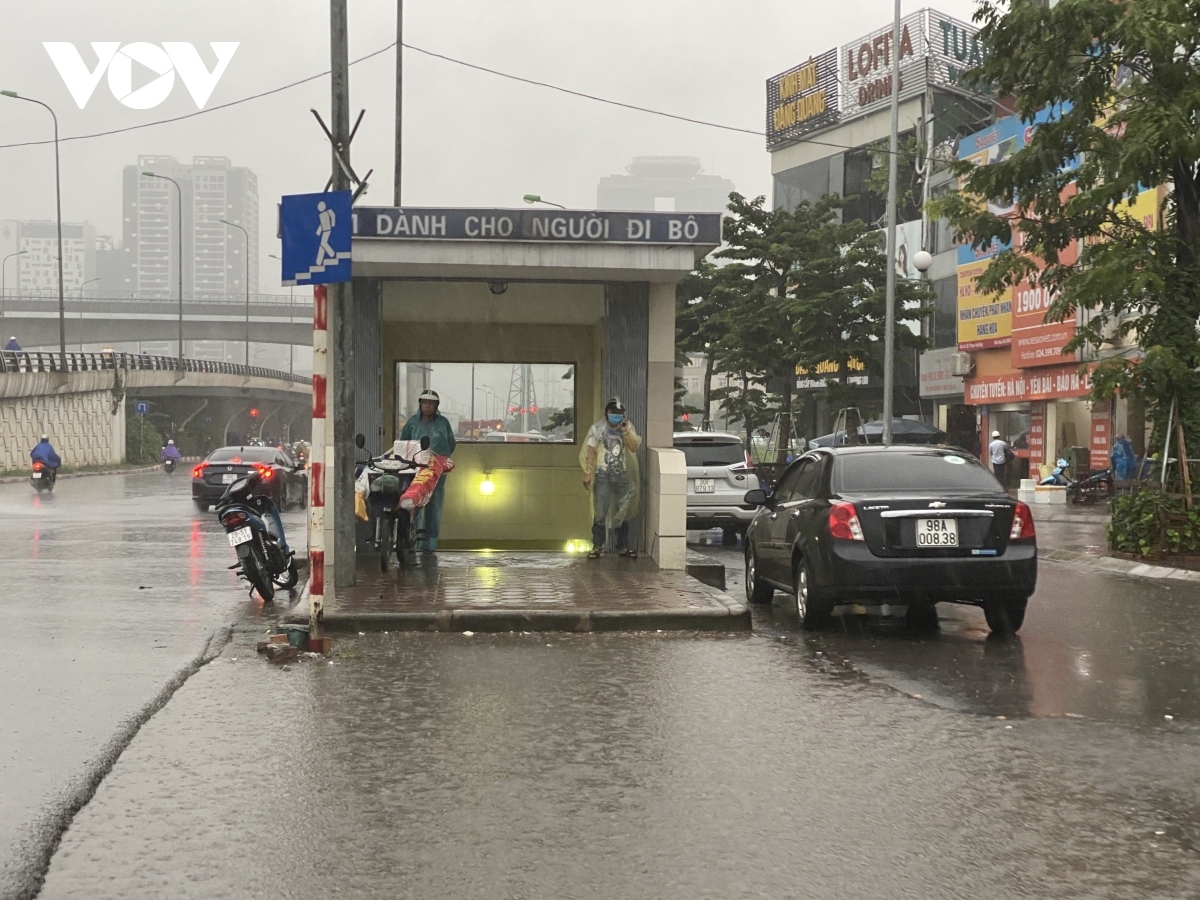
[(889, 325), (3, 278), (291, 319), (179, 194), (536, 198), (81, 287), (62, 303), (246, 235)]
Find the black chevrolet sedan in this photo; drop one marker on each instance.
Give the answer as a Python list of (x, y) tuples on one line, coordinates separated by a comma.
[(284, 479), (912, 525)]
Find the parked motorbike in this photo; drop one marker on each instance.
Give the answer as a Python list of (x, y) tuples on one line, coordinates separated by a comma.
[(43, 477), (1060, 476), (169, 466), (262, 558), (1097, 486), (388, 477)]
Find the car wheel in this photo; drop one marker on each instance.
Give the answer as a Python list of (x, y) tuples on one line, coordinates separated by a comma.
[(921, 617), (813, 613), (1005, 616), (201, 505), (757, 590)]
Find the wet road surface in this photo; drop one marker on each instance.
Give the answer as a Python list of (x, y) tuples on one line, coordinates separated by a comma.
[(863, 761), (112, 586), (621, 766)]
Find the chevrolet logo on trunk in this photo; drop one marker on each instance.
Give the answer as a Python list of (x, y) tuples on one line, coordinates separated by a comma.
[(937, 504)]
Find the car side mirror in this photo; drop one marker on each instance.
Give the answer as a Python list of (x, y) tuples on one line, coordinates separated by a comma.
[(360, 441), (757, 497)]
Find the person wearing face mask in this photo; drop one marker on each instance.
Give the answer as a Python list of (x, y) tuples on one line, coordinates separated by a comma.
[(610, 471)]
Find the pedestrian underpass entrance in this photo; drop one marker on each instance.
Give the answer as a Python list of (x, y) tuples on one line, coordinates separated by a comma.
[(526, 322)]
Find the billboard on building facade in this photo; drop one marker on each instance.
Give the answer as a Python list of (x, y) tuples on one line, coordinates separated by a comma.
[(1038, 384), (984, 320), (802, 99), (856, 78), (937, 374)]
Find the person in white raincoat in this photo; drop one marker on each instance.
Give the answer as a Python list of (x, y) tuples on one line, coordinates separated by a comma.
[(610, 471)]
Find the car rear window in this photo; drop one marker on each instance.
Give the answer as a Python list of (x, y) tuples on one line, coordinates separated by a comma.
[(712, 454), (928, 470), (245, 454)]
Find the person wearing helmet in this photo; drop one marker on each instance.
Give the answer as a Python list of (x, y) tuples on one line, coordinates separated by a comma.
[(169, 452), (610, 471), (44, 453), (428, 422), (999, 455)]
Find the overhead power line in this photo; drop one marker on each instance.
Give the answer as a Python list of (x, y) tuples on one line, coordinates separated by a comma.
[(450, 59)]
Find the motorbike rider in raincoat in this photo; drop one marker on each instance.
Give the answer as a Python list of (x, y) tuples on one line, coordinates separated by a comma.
[(169, 452), (428, 422), (608, 456)]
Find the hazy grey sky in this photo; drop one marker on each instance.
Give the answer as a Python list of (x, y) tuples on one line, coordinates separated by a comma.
[(471, 139)]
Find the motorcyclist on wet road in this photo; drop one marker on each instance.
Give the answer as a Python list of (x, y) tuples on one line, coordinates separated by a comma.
[(169, 452), (44, 453)]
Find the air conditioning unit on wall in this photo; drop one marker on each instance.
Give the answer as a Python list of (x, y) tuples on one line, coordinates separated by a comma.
[(960, 364)]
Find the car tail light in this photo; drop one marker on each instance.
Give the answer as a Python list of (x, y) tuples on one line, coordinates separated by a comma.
[(843, 522), (199, 470), (37, 466), (235, 518), (1022, 526), (266, 472), (749, 461)]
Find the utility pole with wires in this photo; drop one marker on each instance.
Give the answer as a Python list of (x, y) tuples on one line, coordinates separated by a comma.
[(341, 298), (399, 102)]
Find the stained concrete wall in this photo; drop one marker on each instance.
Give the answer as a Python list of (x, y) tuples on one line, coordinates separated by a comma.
[(81, 412)]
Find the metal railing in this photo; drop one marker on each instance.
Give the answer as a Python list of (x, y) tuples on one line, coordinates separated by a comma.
[(12, 361)]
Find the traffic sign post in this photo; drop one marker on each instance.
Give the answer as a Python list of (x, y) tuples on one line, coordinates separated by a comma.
[(316, 232)]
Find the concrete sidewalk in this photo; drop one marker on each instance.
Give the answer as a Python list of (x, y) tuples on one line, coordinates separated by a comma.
[(506, 591)]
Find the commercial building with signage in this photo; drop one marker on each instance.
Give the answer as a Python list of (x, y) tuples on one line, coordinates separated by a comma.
[(525, 322), (1019, 378), (823, 119)]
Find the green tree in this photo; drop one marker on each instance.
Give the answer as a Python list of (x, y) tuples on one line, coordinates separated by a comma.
[(810, 289), (1122, 83), (143, 443), (704, 299)]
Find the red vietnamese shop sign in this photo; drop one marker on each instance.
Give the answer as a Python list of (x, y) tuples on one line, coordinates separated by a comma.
[(1037, 434), (1101, 435), (1036, 342), (1035, 384)]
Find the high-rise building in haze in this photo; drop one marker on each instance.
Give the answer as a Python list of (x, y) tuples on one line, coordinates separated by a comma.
[(664, 184), (36, 268), (214, 255)]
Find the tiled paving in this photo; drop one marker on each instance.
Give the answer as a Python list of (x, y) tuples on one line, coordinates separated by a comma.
[(497, 590), (483, 580)]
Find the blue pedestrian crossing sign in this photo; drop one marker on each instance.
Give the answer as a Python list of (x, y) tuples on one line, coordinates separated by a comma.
[(316, 231), (142, 407)]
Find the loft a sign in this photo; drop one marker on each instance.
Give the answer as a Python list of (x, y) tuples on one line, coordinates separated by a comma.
[(568, 226)]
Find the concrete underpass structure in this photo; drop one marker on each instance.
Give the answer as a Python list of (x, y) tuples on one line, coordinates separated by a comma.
[(84, 408)]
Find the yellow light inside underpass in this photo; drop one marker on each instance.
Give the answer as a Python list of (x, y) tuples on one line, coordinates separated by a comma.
[(578, 546), (487, 487)]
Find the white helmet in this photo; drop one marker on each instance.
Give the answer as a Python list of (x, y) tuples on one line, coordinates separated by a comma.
[(995, 434), (45, 437), (430, 395), (170, 443)]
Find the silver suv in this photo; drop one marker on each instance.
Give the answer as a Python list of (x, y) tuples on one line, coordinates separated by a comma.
[(718, 475)]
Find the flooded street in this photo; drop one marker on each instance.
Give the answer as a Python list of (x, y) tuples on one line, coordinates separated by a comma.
[(866, 760)]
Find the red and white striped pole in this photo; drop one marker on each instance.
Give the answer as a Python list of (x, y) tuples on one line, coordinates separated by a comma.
[(316, 505)]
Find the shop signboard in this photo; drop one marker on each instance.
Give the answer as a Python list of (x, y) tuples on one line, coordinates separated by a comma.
[(802, 99), (984, 320), (818, 379), (1037, 434), (1042, 345), (1101, 435), (937, 379), (856, 78), (1034, 384)]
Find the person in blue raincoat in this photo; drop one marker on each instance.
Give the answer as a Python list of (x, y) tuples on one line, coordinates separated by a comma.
[(429, 422), (44, 453), (12, 346), (170, 452), (1124, 460)]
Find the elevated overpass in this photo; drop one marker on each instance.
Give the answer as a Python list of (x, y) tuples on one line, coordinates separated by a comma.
[(82, 399), (272, 318)]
